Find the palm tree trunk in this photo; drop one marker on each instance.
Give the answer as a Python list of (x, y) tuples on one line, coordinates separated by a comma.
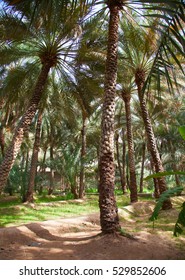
[(151, 138), (74, 191), (142, 167), (1, 103), (156, 183), (23, 126), (124, 162), (122, 179), (83, 153), (109, 219), (2, 127), (133, 184), (24, 169), (52, 174), (51, 181), (2, 141), (33, 168)]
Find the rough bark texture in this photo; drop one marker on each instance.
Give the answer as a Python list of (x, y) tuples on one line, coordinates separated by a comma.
[(122, 178), (2, 141), (23, 126), (124, 162), (156, 184), (33, 168), (52, 174), (108, 210), (74, 191), (139, 78), (1, 103), (142, 167), (132, 170), (83, 153)]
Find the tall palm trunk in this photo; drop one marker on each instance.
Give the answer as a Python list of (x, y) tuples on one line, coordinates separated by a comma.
[(83, 153), (33, 168), (109, 219), (140, 78), (2, 141), (4, 123), (133, 184), (142, 167), (124, 162), (122, 177), (23, 125), (52, 173), (42, 169)]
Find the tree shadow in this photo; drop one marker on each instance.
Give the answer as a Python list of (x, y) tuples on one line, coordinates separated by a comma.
[(41, 241)]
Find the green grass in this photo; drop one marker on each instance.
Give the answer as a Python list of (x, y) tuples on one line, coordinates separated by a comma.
[(13, 212), (52, 198), (17, 213)]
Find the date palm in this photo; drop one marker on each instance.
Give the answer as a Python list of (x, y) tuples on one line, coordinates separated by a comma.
[(126, 95), (126, 83), (48, 46), (138, 54), (108, 210)]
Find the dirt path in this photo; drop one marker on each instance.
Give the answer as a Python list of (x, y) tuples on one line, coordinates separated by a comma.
[(80, 239)]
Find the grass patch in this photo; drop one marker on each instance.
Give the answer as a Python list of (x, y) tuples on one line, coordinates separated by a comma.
[(13, 212), (16, 213), (9, 201), (52, 198)]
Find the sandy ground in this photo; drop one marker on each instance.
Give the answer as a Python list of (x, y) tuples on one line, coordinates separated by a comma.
[(80, 239)]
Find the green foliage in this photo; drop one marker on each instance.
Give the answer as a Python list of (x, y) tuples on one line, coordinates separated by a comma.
[(92, 190), (164, 196), (70, 163), (180, 221), (167, 194), (182, 131), (166, 173), (17, 182)]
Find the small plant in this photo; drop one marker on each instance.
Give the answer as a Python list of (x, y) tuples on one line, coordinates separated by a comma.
[(171, 192), (164, 196), (180, 222), (181, 218)]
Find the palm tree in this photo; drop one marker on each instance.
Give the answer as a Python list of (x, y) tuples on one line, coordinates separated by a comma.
[(161, 65), (14, 147), (108, 210), (140, 78), (51, 49), (138, 53), (126, 95)]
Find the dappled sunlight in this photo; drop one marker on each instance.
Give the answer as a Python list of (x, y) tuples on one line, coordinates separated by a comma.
[(79, 238)]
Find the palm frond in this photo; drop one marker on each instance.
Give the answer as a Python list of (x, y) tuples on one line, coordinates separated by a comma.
[(171, 45)]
